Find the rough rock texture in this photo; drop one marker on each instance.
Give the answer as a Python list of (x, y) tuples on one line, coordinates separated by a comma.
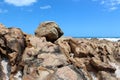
[(106, 76), (2, 75), (66, 73), (101, 66), (38, 58), (12, 44), (50, 30)]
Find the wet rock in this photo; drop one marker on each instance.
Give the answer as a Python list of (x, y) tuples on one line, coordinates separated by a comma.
[(50, 30)]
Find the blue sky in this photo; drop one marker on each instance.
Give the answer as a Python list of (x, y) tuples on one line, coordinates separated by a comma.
[(77, 18)]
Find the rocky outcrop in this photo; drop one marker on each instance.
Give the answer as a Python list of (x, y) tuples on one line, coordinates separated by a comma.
[(101, 66), (12, 44), (2, 75), (50, 30), (48, 56), (90, 55)]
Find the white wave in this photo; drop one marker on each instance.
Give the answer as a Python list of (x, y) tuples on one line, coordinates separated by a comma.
[(110, 39)]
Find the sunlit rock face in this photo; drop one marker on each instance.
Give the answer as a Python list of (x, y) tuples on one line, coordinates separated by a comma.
[(33, 57)]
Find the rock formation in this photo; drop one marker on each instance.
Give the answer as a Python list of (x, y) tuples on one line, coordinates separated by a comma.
[(48, 56), (50, 30)]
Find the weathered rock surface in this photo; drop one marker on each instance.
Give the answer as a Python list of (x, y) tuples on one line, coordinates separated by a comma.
[(2, 75), (38, 58), (106, 76), (12, 44), (101, 66), (65, 73), (50, 30)]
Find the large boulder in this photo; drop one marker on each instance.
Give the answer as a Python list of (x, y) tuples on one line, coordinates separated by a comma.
[(50, 30)]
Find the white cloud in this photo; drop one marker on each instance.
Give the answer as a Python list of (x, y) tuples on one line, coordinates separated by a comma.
[(46, 7), (20, 2), (110, 4), (3, 10)]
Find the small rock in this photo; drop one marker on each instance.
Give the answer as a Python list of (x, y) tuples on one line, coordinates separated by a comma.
[(50, 30)]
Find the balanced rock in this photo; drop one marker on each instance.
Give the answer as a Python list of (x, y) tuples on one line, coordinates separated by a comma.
[(50, 30)]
